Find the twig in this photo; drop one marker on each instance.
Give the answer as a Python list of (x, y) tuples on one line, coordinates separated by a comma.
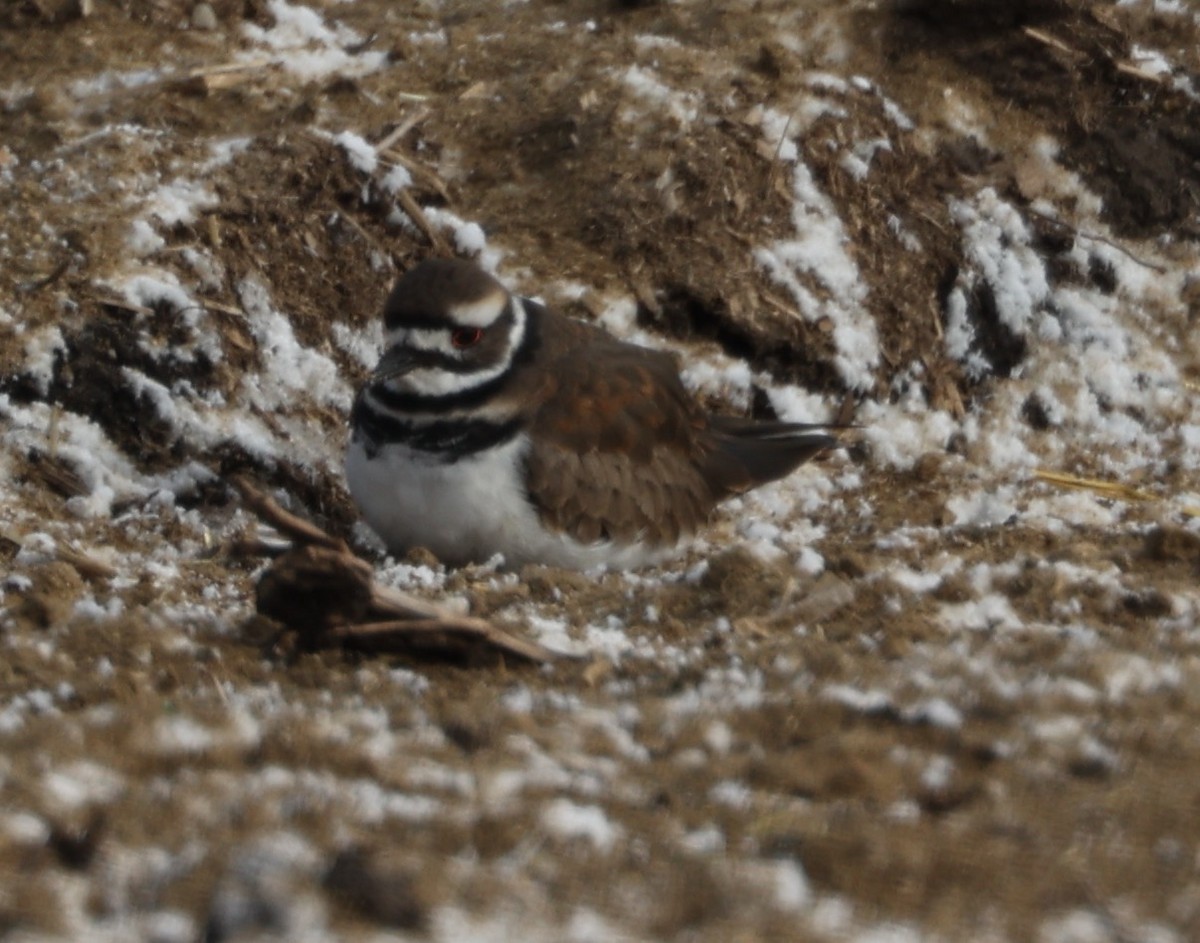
[(110, 302), (936, 318), (388, 141), (420, 171), (211, 305), (224, 68), (1047, 40), (1137, 72), (1123, 66), (46, 280), (933, 222), (417, 215), (205, 79), (772, 173), (781, 307), (461, 635), (366, 236), (256, 547), (219, 686), (283, 521), (410, 207), (1097, 238), (385, 599)]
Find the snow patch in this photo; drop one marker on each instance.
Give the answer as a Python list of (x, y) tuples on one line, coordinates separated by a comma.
[(568, 820)]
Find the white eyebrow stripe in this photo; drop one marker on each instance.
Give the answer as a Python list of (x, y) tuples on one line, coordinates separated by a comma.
[(481, 313)]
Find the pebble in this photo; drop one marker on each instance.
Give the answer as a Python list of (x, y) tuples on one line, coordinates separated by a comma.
[(204, 16)]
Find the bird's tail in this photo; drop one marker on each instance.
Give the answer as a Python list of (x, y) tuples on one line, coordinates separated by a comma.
[(747, 453)]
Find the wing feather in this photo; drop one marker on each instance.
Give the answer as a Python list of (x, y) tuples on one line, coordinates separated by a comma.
[(613, 447), (620, 451)]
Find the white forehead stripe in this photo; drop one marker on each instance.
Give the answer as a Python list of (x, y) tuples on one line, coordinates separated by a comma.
[(481, 313)]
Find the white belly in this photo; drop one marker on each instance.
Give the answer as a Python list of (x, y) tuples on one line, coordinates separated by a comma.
[(469, 510)]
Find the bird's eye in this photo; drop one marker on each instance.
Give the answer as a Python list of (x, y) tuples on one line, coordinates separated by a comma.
[(464, 337)]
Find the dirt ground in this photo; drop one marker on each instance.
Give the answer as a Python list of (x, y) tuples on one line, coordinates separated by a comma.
[(952, 728)]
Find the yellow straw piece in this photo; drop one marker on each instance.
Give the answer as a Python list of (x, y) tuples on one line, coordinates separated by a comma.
[(1108, 489)]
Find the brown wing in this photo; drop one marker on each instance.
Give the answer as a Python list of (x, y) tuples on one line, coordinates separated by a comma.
[(616, 447)]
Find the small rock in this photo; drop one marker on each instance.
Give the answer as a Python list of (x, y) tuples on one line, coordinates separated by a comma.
[(378, 888), (63, 11), (204, 17), (1168, 543), (928, 465), (1149, 603), (467, 729), (849, 563), (827, 595), (75, 844)]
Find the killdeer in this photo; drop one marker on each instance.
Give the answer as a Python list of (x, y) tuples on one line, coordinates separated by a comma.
[(495, 425)]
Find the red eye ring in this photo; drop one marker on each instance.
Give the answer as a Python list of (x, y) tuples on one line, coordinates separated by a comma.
[(464, 337)]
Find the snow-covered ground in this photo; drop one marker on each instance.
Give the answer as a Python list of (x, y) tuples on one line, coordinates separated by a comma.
[(940, 686)]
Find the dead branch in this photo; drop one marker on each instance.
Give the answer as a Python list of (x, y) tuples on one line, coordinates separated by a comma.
[(460, 637), (329, 598)]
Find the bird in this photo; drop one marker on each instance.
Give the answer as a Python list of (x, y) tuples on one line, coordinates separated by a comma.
[(493, 424)]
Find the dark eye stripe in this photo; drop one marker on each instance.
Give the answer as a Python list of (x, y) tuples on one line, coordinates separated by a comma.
[(465, 399), (437, 360)]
